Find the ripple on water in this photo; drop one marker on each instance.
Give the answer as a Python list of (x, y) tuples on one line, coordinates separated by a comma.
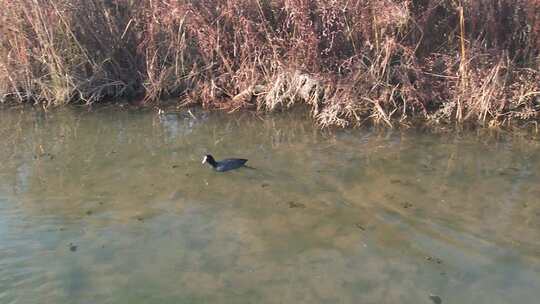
[(346, 217)]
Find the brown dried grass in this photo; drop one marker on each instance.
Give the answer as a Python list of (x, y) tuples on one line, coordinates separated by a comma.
[(351, 62)]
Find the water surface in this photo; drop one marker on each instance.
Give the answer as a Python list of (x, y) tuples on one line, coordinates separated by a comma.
[(114, 206)]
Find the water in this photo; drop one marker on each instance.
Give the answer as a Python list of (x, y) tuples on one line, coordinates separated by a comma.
[(114, 206)]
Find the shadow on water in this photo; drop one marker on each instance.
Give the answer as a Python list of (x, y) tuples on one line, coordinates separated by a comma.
[(114, 206)]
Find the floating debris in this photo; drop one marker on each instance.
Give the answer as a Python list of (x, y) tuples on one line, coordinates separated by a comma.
[(406, 205), (359, 226), (508, 171), (293, 204), (398, 181), (436, 260), (45, 155), (72, 247), (435, 299)]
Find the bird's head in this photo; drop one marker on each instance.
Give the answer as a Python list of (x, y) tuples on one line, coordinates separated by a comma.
[(208, 159)]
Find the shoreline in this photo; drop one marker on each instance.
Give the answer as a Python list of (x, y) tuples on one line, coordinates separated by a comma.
[(167, 107)]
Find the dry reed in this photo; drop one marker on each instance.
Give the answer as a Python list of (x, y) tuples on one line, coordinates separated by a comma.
[(351, 62)]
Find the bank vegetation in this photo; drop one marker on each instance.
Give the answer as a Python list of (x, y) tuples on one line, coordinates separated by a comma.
[(349, 62)]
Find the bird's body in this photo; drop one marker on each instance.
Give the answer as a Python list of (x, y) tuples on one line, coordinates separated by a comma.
[(224, 165)]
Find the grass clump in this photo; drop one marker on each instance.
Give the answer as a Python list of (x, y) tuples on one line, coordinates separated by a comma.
[(351, 62)]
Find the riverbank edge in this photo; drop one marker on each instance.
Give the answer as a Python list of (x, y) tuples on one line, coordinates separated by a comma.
[(162, 108)]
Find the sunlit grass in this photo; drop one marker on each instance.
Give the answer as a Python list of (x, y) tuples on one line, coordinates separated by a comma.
[(351, 62)]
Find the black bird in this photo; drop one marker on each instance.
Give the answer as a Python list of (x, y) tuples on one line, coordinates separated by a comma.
[(224, 165)]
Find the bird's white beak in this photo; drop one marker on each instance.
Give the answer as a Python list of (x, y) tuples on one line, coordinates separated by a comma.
[(204, 160)]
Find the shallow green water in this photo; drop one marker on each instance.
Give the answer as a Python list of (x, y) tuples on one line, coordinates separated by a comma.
[(114, 206)]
